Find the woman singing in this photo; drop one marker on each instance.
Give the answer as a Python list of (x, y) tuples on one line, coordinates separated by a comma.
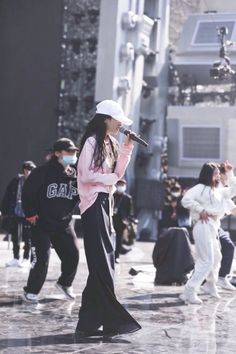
[(102, 162)]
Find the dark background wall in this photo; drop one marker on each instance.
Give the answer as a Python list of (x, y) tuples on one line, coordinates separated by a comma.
[(30, 39)]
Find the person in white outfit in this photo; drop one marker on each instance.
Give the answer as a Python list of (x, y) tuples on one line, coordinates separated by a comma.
[(207, 203)]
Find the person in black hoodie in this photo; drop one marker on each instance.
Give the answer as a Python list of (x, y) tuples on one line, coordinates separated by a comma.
[(122, 214), (49, 197), (14, 222)]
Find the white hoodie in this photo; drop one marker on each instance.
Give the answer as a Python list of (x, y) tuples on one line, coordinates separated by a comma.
[(215, 201)]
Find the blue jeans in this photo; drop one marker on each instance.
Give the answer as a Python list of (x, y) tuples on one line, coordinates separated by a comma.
[(227, 250)]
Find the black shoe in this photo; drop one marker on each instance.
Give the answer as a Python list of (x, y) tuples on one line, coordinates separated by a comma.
[(133, 271), (89, 333), (125, 249), (111, 334), (125, 329)]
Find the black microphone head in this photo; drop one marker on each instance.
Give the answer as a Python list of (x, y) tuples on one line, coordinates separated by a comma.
[(123, 130), (133, 136)]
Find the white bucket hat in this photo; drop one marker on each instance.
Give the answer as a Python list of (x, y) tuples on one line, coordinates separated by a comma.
[(113, 109)]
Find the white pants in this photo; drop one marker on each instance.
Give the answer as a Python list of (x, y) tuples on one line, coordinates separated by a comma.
[(208, 254)]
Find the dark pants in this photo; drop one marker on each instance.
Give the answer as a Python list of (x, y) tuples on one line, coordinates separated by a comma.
[(227, 250), (65, 244), (21, 231), (99, 303), (119, 227)]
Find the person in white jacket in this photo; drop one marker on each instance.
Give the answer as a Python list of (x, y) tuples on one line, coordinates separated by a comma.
[(207, 203)]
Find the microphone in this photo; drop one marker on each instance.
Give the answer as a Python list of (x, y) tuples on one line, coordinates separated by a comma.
[(133, 136)]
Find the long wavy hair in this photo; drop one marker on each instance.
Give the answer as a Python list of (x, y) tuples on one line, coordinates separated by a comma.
[(97, 128), (206, 173)]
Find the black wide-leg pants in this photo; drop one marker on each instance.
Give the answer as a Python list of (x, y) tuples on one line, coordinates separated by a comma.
[(66, 246), (99, 304)]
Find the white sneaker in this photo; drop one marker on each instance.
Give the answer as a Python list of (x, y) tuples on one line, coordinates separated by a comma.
[(31, 298), (67, 291), (24, 263), (225, 284), (13, 263), (190, 296), (210, 289)]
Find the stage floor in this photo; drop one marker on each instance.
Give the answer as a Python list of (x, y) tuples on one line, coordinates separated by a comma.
[(168, 325)]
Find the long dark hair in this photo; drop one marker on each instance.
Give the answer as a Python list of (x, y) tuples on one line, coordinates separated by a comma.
[(97, 128), (206, 173)]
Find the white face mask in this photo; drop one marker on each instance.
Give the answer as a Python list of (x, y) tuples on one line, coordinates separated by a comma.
[(69, 159), (121, 189), (176, 194)]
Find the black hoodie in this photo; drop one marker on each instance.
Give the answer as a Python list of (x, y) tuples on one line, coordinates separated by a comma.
[(51, 193), (9, 199)]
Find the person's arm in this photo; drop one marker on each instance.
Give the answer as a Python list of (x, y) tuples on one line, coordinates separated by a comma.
[(190, 199), (31, 193), (87, 174), (230, 190), (8, 195), (123, 159), (233, 211)]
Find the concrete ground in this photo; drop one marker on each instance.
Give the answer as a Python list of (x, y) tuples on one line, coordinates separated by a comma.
[(168, 325)]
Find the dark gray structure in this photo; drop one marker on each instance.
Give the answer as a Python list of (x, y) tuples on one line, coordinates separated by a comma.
[(30, 41)]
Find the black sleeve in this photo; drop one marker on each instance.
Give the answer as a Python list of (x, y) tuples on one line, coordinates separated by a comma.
[(9, 197), (131, 207), (31, 191)]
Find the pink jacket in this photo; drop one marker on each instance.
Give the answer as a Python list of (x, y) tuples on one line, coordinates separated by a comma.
[(91, 181)]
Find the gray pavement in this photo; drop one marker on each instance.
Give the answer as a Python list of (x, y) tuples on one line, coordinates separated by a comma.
[(168, 325)]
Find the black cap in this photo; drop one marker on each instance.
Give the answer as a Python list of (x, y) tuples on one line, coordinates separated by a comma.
[(121, 181), (28, 165), (64, 144)]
